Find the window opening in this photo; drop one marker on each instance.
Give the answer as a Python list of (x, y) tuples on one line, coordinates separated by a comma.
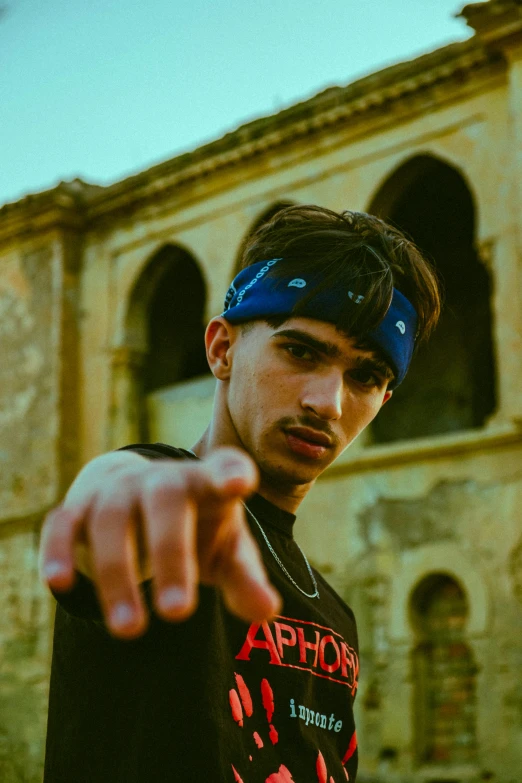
[(451, 383), (443, 674)]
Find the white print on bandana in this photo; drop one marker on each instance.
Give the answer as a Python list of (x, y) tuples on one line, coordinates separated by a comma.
[(297, 282), (401, 326), (358, 299), (254, 280)]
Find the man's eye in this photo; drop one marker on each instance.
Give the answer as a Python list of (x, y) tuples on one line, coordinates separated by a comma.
[(300, 352), (367, 378)]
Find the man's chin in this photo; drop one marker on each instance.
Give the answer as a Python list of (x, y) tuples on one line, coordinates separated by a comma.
[(293, 471)]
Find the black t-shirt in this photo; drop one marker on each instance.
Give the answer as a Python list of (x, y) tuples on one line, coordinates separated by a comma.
[(212, 698)]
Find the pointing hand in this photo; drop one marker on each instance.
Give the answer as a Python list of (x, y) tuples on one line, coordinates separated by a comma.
[(126, 518)]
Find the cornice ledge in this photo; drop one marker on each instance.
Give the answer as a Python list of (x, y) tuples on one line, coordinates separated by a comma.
[(494, 21), (351, 103), (61, 207), (392, 455), (334, 106)]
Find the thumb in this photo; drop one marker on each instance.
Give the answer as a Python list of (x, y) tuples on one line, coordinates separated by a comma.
[(232, 472)]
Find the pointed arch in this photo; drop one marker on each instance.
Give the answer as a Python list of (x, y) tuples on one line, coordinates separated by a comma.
[(162, 337), (173, 297), (451, 384), (397, 183), (444, 673)]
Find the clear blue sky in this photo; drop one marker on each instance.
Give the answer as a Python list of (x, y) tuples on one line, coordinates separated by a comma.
[(100, 89)]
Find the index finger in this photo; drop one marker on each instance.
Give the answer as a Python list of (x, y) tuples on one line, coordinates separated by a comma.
[(242, 576), (59, 532)]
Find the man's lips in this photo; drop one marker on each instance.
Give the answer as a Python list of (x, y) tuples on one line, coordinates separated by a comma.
[(310, 435), (307, 442)]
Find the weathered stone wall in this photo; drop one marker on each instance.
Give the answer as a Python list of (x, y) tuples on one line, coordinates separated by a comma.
[(383, 532), (29, 312), (29, 426), (38, 441), (25, 650)]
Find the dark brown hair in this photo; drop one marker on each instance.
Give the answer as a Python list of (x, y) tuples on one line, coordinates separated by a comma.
[(351, 249)]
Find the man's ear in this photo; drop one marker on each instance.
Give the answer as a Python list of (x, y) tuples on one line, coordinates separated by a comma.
[(220, 337), (387, 396)]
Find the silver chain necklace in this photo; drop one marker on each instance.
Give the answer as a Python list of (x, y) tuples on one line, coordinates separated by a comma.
[(315, 594), (274, 554)]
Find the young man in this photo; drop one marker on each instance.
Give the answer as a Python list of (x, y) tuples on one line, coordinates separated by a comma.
[(193, 641)]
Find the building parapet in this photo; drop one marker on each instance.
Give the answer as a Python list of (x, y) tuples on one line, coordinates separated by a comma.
[(367, 97)]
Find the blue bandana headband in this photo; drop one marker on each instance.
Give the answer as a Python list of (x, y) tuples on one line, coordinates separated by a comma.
[(253, 295)]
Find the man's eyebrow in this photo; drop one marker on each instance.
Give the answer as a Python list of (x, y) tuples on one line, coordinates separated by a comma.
[(373, 362), (322, 346)]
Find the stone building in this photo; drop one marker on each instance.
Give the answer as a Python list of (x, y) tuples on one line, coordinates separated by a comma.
[(420, 522)]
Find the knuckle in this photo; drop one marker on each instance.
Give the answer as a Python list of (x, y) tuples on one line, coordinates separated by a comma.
[(127, 482), (57, 532), (57, 519), (162, 485), (238, 454), (232, 462), (231, 459), (112, 571), (167, 549), (110, 511)]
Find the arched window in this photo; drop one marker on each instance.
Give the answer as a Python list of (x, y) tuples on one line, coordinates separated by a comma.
[(451, 384), (164, 328), (443, 673), (175, 321), (267, 215)]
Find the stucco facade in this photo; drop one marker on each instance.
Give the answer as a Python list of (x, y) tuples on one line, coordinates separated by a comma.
[(420, 523)]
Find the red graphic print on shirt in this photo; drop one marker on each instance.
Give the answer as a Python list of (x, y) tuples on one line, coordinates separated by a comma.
[(352, 747), (281, 776), (304, 645), (322, 772), (241, 700)]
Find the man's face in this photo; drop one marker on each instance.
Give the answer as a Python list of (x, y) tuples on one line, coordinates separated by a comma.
[(299, 394)]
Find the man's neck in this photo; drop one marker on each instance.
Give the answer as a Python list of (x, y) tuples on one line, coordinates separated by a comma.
[(284, 496)]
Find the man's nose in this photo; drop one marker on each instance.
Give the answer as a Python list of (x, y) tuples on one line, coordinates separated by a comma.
[(324, 395)]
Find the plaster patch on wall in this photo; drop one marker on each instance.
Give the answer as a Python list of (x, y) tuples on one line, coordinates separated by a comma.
[(407, 523), (24, 663), (515, 570), (28, 397)]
